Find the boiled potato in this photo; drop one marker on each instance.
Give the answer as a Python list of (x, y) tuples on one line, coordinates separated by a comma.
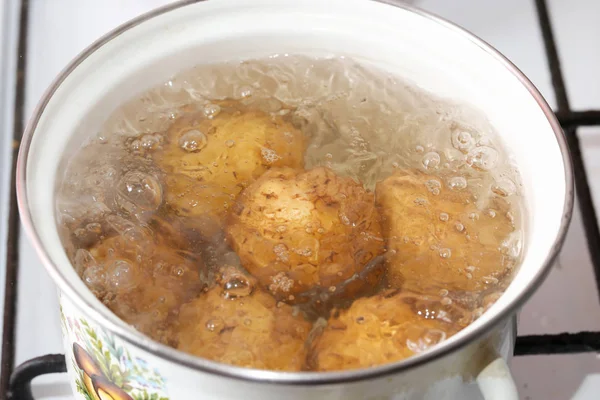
[(208, 161), (384, 328), (238, 323), (141, 279), (438, 239), (297, 230)]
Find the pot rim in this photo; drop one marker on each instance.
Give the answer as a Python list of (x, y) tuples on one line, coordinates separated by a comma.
[(103, 318)]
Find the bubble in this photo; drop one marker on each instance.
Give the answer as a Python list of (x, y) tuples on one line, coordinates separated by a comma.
[(490, 280), (305, 252), (83, 261), (281, 228), (504, 187), (244, 91), (94, 277), (94, 227), (236, 287), (445, 253), (457, 183), (230, 143), (119, 224), (282, 252), (136, 145), (511, 246), (463, 141), (510, 217), (419, 149), (422, 339), (444, 217), (211, 110), (360, 320), (101, 138), (478, 312), (247, 322), (420, 201), (150, 141), (215, 324), (490, 299), (345, 220), (121, 276), (434, 186), (446, 301), (483, 158), (459, 227), (431, 160), (329, 156), (491, 213), (281, 282), (137, 191), (270, 156), (193, 141)]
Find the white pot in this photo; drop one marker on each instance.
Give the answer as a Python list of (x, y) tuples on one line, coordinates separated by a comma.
[(433, 53)]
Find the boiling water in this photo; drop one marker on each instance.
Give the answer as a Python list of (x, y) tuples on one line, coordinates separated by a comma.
[(144, 262)]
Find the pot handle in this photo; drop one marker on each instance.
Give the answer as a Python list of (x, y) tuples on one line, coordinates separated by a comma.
[(496, 382), (19, 386)]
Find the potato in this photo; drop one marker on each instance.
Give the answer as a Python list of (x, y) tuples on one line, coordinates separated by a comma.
[(140, 279), (238, 323), (209, 161), (297, 230), (384, 328), (438, 239)]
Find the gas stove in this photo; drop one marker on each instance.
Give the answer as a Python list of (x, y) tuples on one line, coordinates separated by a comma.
[(559, 331)]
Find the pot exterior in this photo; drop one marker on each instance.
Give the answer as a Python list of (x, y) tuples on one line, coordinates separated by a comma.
[(100, 363)]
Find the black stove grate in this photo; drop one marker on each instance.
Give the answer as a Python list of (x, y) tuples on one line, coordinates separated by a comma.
[(15, 382)]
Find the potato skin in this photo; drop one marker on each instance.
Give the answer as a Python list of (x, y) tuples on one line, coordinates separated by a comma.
[(440, 239), (251, 331), (154, 282), (232, 150), (382, 329), (296, 230)]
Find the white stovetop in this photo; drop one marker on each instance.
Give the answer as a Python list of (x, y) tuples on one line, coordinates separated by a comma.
[(568, 301)]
